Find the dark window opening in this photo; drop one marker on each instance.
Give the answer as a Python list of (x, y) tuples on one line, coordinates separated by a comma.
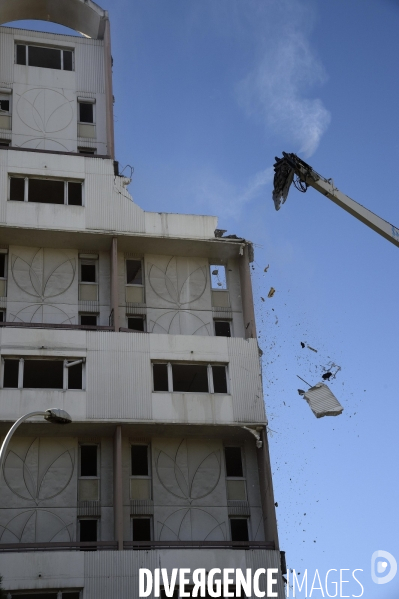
[(136, 324), (68, 63), (43, 374), (87, 151), (88, 320), (5, 105), (21, 54), (2, 266), (86, 112), (2, 318), (48, 58), (74, 194), (139, 460), (17, 189), (233, 461), (11, 374), (190, 378), (160, 372), (88, 531), (46, 191), (239, 529), (75, 376), (141, 529), (4, 143), (222, 328), (88, 273), (219, 379), (134, 275), (88, 460)]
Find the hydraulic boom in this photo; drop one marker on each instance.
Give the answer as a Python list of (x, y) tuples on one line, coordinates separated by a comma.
[(291, 169)]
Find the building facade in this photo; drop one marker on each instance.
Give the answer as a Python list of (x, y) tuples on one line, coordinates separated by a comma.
[(140, 325)]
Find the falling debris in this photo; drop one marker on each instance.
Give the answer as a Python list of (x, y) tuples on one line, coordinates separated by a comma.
[(271, 292), (301, 392), (331, 370), (326, 376), (312, 348), (276, 504), (266, 268), (322, 402), (215, 272), (262, 298), (302, 344)]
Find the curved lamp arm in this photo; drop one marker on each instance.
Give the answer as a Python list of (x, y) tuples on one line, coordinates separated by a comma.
[(11, 432)]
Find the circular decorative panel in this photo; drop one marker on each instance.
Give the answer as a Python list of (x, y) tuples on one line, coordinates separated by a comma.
[(45, 110)]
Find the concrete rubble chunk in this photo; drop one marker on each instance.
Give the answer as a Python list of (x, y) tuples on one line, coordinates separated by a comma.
[(322, 401)]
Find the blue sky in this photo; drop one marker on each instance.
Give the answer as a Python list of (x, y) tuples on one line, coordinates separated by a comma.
[(207, 93)]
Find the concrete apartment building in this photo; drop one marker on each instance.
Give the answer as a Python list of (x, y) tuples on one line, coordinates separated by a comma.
[(140, 325)]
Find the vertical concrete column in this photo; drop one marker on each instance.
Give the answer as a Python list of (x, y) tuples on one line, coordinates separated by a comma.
[(114, 283), (266, 491), (109, 99), (246, 295), (118, 493)]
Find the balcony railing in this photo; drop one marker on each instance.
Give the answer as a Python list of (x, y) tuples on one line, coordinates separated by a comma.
[(135, 545)]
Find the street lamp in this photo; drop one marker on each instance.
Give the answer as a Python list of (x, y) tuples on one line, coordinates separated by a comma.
[(54, 415)]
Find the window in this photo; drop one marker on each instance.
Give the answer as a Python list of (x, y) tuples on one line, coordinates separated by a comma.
[(88, 272), (2, 316), (88, 460), (222, 328), (5, 113), (139, 455), (141, 529), (48, 58), (233, 461), (134, 272), (86, 112), (43, 374), (87, 151), (218, 276), (4, 105), (88, 320), (2, 266), (88, 530), (190, 378), (136, 323), (5, 143), (46, 191), (239, 529)]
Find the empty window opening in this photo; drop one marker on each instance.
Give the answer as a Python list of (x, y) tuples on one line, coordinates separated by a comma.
[(139, 460), (141, 529), (2, 266), (48, 58), (43, 374), (46, 191), (75, 376), (219, 379), (87, 531), (2, 316), (88, 273), (86, 112), (222, 328), (88, 460), (218, 276), (17, 189), (4, 105), (233, 460), (239, 529), (11, 368), (74, 194), (136, 323), (134, 272), (190, 378), (87, 151), (160, 373), (88, 320), (5, 143)]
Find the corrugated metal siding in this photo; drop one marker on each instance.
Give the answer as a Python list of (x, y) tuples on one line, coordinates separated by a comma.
[(238, 508), (6, 57), (115, 573), (89, 508), (123, 391), (89, 67), (108, 207), (246, 383), (262, 558), (322, 402), (140, 507)]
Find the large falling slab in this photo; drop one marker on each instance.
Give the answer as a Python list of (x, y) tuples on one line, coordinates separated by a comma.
[(322, 402)]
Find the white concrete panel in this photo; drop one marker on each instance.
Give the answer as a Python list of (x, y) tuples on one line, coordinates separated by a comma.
[(192, 408), (14, 403), (177, 225), (189, 347), (89, 67)]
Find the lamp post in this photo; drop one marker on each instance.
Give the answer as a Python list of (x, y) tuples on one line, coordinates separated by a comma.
[(53, 415)]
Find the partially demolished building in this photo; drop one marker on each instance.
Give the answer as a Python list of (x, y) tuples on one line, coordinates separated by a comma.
[(140, 325)]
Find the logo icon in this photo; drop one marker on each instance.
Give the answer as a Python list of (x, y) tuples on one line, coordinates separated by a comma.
[(383, 561)]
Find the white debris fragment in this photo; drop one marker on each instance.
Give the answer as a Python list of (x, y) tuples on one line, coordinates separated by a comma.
[(322, 402)]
